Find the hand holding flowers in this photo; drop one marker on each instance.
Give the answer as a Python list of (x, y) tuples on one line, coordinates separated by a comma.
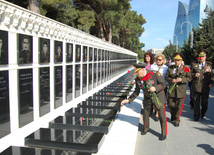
[(179, 79), (148, 81), (198, 75)]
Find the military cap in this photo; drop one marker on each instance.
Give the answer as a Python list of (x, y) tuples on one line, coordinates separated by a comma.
[(138, 66), (202, 52), (168, 58), (178, 56)]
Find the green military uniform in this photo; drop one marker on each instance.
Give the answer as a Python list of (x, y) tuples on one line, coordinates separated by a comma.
[(177, 96), (160, 84), (200, 86)]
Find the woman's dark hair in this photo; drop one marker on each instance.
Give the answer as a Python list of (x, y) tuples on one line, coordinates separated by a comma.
[(152, 59)]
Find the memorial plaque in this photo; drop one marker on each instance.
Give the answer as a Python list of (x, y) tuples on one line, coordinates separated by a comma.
[(82, 123), (44, 47), (15, 150), (95, 54), (90, 77), (44, 91), (25, 48), (78, 53), (77, 80), (99, 54), (58, 51), (103, 72), (58, 86), (25, 96), (4, 104), (95, 74), (92, 112), (66, 140), (85, 53), (84, 79), (90, 53), (103, 55), (3, 47), (69, 86), (69, 52)]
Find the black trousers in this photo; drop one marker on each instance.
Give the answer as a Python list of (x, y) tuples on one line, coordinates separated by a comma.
[(204, 103), (162, 116)]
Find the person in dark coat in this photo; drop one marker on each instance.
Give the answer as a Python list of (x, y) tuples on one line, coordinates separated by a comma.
[(157, 86), (202, 81), (176, 76)]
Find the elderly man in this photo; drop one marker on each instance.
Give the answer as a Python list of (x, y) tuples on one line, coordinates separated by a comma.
[(154, 84), (177, 79), (202, 81)]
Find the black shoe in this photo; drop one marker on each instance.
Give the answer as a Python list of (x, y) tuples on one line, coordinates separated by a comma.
[(176, 124), (162, 137), (202, 115), (143, 133), (196, 119), (156, 119)]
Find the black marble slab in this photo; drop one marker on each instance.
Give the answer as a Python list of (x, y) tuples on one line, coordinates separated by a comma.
[(100, 104), (92, 112), (82, 123), (15, 150), (68, 140)]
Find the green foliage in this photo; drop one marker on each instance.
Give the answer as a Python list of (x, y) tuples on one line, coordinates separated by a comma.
[(169, 51), (111, 20), (203, 38)]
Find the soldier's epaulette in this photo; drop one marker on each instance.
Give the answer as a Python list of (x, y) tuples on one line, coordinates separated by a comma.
[(154, 71), (185, 66), (209, 62), (194, 61)]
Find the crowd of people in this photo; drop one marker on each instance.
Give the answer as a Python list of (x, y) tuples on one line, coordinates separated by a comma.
[(164, 83)]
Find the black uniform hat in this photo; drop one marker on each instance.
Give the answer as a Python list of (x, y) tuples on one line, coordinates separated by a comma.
[(178, 56), (202, 52), (138, 66), (168, 58)]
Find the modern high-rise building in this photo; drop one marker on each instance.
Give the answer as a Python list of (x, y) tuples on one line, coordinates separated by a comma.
[(188, 17), (181, 17)]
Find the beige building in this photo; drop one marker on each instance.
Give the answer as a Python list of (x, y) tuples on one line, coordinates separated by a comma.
[(155, 51)]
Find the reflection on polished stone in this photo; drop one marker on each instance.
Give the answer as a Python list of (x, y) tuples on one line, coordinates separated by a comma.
[(92, 112), (82, 123), (68, 140), (14, 150)]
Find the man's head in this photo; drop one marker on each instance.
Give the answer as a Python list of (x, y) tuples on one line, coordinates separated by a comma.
[(140, 69), (25, 43), (169, 59), (178, 58), (202, 53)]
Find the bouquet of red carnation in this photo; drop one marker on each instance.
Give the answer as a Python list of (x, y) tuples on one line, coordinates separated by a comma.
[(185, 69), (198, 58), (148, 82)]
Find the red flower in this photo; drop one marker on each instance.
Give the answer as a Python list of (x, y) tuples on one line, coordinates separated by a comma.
[(186, 69), (147, 76), (198, 58), (128, 71), (117, 82)]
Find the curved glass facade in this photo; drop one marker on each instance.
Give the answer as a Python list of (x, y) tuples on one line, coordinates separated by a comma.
[(193, 13), (181, 17)]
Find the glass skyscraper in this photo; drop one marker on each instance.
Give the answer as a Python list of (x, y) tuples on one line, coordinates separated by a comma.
[(193, 13), (181, 17)]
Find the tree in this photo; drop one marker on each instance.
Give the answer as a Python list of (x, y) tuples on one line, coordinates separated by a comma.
[(32, 5), (169, 50)]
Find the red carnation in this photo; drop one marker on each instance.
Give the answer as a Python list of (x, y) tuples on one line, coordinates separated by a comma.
[(128, 71)]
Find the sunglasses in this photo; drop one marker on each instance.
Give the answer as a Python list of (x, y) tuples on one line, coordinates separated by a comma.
[(159, 59)]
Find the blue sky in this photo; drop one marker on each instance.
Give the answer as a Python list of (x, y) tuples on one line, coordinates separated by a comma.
[(160, 18)]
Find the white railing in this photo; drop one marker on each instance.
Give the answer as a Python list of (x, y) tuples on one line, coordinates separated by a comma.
[(16, 21)]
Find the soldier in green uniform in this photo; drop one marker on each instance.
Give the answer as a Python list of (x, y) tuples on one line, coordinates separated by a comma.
[(202, 81), (176, 76), (158, 85)]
